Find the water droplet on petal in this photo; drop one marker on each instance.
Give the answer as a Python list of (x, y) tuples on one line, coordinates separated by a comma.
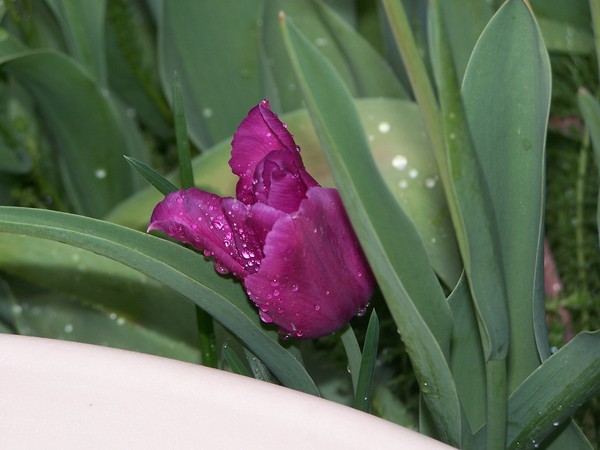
[(294, 288), (299, 333), (265, 317), (317, 308), (276, 293), (274, 282), (221, 269)]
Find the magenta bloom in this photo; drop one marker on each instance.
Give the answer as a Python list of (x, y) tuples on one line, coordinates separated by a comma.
[(285, 237)]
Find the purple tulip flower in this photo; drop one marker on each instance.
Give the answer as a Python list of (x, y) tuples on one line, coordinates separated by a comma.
[(286, 238)]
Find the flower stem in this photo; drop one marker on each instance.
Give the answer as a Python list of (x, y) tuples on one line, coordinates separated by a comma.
[(580, 210), (206, 338), (496, 404), (206, 332)]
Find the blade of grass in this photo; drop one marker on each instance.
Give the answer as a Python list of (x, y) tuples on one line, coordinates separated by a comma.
[(234, 362), (259, 370), (161, 184), (183, 145), (353, 354), (364, 387)]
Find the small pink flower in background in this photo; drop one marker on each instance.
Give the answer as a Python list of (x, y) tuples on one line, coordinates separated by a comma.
[(287, 239)]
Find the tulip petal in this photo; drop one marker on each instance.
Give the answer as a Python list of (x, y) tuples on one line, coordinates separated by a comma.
[(248, 248), (277, 182), (260, 133), (314, 276), (197, 218)]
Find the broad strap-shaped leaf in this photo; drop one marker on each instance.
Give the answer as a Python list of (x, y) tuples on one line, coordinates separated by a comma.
[(467, 361), (90, 129), (475, 224), (174, 266), (554, 391), (82, 25), (213, 48), (590, 109), (565, 25), (389, 239), (475, 221), (364, 71), (132, 57), (86, 286), (465, 20), (506, 94)]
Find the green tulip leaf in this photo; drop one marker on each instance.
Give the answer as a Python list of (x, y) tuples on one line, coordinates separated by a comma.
[(573, 373), (590, 109), (389, 239), (363, 70), (511, 72), (176, 268), (218, 68), (85, 286), (82, 25), (91, 130)]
